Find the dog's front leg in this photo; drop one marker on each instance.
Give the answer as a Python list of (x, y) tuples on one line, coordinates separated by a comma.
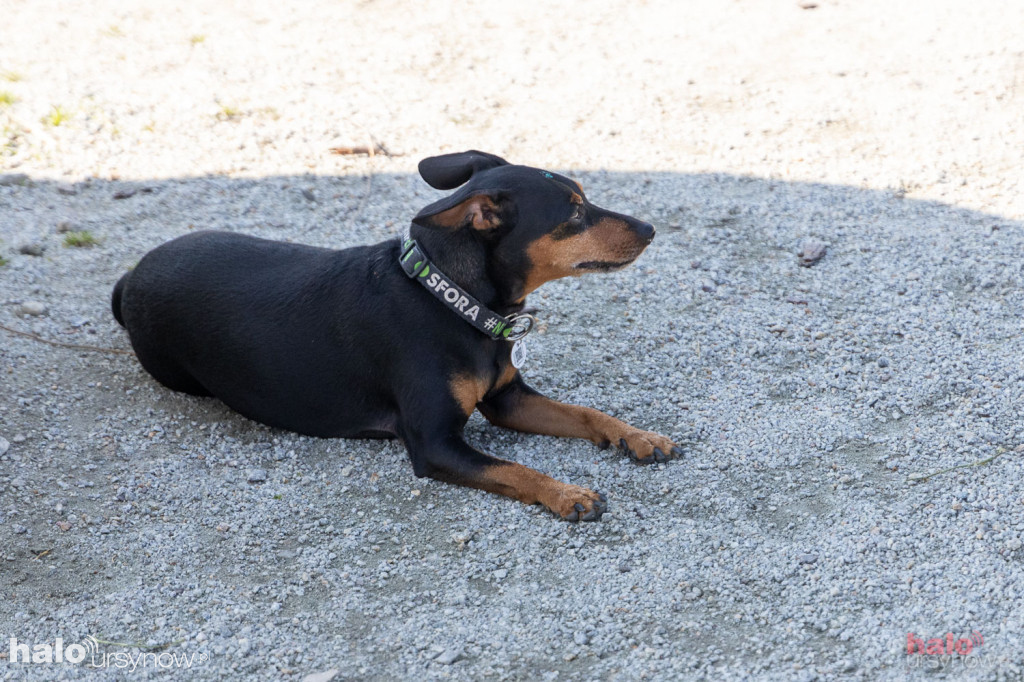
[(445, 456), (517, 406)]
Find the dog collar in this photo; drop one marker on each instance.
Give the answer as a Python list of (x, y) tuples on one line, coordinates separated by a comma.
[(418, 267)]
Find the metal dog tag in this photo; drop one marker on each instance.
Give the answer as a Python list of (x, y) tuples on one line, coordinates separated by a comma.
[(519, 353)]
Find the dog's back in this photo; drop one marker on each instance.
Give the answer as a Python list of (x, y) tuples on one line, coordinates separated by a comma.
[(260, 324)]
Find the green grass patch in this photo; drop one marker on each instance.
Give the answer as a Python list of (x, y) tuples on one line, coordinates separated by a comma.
[(228, 113), (83, 239), (57, 117)]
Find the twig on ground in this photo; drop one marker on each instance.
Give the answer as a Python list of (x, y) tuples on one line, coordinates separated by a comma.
[(368, 150), (917, 478), (61, 344)]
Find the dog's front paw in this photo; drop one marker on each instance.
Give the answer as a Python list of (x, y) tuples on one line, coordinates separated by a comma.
[(574, 503), (645, 447)]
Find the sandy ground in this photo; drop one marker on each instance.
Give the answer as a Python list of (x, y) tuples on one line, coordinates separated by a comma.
[(791, 543)]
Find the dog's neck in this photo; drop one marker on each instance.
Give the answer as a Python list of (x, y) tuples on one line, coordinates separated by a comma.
[(462, 255)]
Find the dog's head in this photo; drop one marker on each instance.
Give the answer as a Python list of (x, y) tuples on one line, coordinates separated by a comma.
[(538, 225)]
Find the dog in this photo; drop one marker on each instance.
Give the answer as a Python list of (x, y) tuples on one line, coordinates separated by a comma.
[(402, 339)]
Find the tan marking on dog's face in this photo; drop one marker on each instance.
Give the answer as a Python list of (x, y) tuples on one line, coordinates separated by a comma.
[(468, 390), (609, 244)]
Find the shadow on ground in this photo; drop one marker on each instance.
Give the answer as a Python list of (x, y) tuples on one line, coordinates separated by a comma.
[(792, 538)]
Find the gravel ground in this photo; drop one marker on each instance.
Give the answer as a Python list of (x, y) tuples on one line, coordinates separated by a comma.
[(796, 540)]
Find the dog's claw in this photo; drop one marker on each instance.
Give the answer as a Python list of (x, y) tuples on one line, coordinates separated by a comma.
[(677, 451), (580, 512), (623, 444), (659, 456), (600, 507)]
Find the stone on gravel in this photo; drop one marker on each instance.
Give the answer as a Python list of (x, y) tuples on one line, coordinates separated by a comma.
[(256, 475), (32, 249), (811, 252), (33, 308), (449, 656)]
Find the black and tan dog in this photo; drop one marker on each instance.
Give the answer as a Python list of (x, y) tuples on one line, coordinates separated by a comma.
[(400, 339)]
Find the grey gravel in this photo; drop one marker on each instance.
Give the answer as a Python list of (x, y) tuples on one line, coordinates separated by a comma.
[(9, 179), (889, 131), (325, 676)]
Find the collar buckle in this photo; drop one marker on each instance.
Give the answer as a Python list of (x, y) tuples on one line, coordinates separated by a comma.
[(519, 325)]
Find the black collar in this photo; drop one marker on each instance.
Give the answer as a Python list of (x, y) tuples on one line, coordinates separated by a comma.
[(418, 267)]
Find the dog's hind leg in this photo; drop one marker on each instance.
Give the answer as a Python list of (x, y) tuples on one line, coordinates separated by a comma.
[(170, 373)]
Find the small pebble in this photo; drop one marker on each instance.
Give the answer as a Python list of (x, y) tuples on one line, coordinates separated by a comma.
[(256, 476), (811, 252), (32, 249), (33, 308), (449, 656)]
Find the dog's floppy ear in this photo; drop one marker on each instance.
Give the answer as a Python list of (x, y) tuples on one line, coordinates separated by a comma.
[(448, 171), (479, 210)]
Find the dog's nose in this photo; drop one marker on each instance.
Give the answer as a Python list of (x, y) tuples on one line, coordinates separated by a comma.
[(645, 231)]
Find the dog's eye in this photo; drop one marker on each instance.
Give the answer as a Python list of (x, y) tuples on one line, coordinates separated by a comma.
[(577, 214)]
